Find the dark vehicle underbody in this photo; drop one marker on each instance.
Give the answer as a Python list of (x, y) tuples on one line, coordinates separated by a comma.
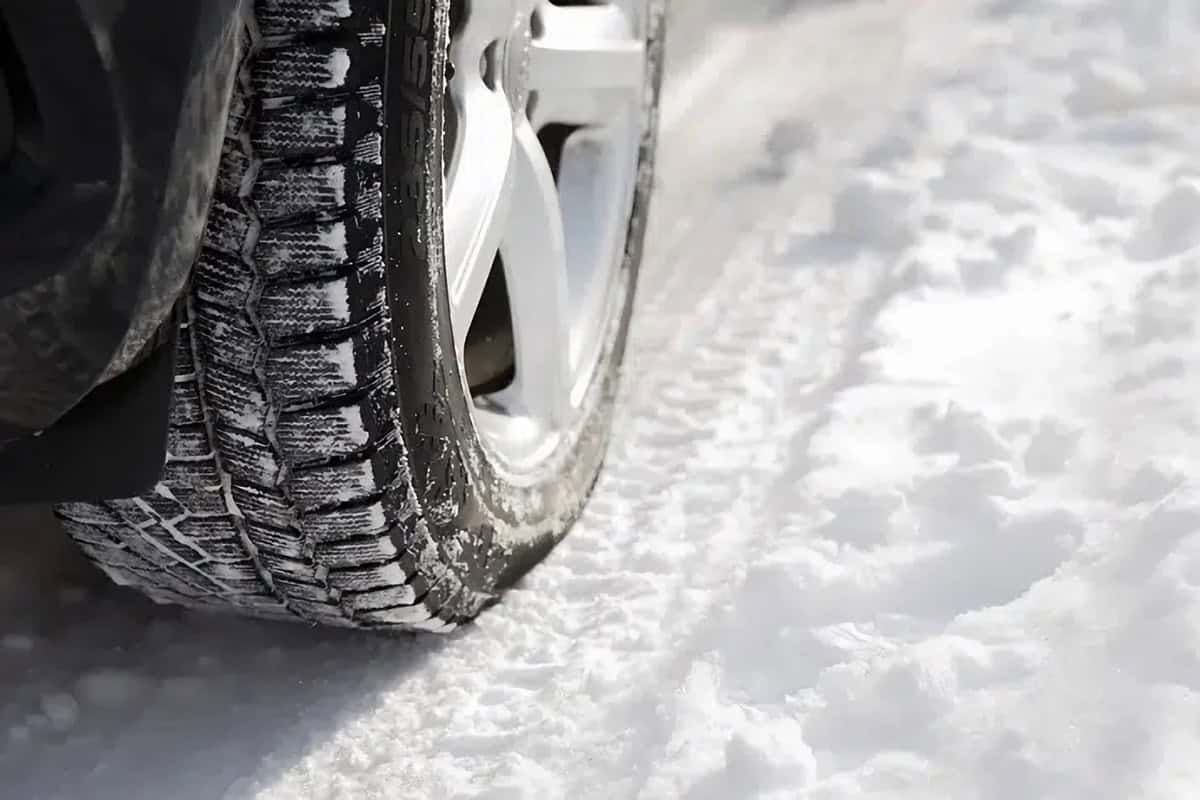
[(108, 153)]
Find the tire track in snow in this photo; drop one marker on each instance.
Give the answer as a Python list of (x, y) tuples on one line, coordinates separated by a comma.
[(633, 575), (806, 325), (528, 703)]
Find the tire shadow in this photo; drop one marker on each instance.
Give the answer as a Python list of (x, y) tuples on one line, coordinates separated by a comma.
[(105, 694)]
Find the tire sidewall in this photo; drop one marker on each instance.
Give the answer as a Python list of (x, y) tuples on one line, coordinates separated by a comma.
[(499, 527)]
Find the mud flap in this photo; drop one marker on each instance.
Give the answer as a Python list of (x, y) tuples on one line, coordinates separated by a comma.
[(113, 444)]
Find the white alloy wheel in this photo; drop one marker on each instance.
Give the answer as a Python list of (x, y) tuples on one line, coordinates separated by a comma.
[(542, 157)]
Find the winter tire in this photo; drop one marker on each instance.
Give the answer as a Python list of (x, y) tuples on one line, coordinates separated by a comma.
[(397, 363)]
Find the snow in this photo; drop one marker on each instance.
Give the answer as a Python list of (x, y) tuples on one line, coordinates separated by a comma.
[(341, 8), (902, 498), (338, 67), (342, 354)]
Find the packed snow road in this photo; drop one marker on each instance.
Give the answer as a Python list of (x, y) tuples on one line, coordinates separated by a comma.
[(903, 502)]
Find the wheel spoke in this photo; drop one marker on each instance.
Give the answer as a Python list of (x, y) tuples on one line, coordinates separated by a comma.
[(579, 108), (588, 48), (534, 253), (518, 65), (478, 200), (486, 21)]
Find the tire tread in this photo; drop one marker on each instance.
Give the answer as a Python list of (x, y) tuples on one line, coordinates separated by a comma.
[(283, 495)]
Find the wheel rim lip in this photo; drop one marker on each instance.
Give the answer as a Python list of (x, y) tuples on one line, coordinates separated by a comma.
[(519, 445)]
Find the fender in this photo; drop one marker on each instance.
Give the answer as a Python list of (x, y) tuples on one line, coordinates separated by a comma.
[(111, 123)]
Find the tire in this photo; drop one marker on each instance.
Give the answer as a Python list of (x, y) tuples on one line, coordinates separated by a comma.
[(323, 462)]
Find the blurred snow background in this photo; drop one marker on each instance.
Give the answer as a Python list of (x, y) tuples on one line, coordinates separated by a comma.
[(904, 501)]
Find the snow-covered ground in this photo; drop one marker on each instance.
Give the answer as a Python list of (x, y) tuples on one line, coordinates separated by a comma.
[(905, 498)]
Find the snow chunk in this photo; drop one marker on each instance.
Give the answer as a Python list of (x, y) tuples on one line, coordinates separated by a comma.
[(862, 518), (338, 67), (1150, 484), (16, 643), (61, 709), (112, 688), (1052, 447), (765, 756), (874, 215), (957, 430), (1170, 228), (1102, 87)]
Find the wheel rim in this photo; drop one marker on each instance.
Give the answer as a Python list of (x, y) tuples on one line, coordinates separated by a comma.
[(545, 120)]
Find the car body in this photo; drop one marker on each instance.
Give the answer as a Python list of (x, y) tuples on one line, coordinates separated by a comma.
[(105, 178)]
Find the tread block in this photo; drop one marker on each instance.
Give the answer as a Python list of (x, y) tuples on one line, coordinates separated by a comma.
[(185, 365), (341, 556), (161, 552), (368, 151), (209, 502), (280, 17), (248, 458), (359, 579), (191, 476), (317, 487), (442, 587), (223, 551), (368, 197), (302, 589), (241, 109), (211, 532), (233, 173), (227, 337), (87, 514), (291, 310), (86, 534), (373, 519), (235, 400), (309, 373), (187, 441), (185, 407), (295, 568), (333, 432), (287, 191), (248, 587), (161, 505), (320, 612), (228, 572), (264, 506), (131, 511), (287, 542), (376, 599), (303, 69), (196, 486), (290, 131), (398, 615), (222, 280), (228, 227), (303, 247), (185, 579)]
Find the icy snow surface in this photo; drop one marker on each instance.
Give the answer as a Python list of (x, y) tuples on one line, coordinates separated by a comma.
[(904, 498)]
